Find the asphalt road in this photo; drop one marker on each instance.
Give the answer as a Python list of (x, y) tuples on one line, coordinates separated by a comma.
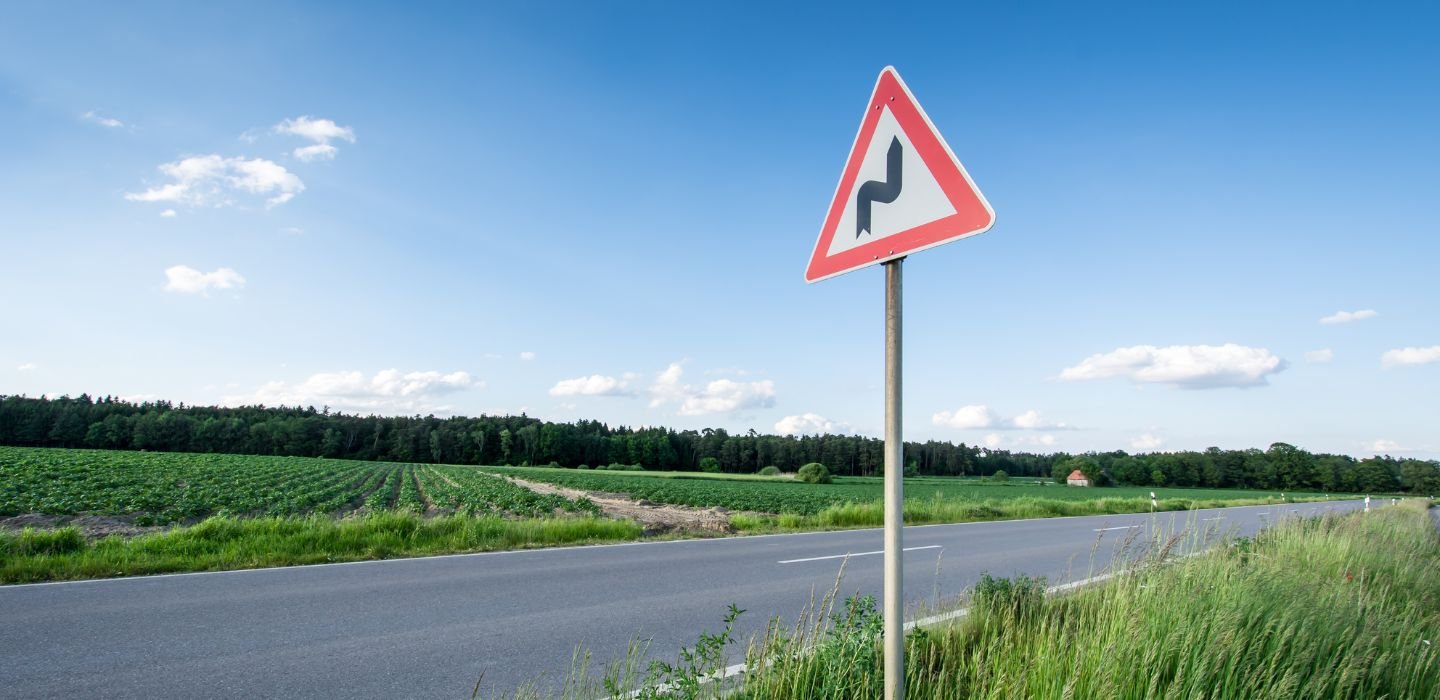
[(428, 628)]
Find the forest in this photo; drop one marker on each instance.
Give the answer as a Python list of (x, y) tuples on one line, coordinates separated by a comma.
[(112, 424)]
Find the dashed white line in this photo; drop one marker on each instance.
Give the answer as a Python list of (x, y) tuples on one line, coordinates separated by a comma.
[(1121, 527), (855, 554)]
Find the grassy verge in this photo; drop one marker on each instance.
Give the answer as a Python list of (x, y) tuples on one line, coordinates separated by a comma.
[(950, 510), (1343, 606), (221, 543), (1335, 607)]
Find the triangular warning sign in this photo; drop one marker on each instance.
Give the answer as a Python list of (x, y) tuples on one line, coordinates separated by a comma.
[(902, 189)]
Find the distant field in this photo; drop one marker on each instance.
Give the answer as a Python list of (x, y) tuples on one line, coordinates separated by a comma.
[(251, 511), (783, 495), (161, 488)]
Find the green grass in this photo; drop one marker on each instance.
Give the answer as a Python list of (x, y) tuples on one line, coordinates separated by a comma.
[(938, 509), (1333, 607), (1343, 606), (222, 543), (275, 511), (855, 501)]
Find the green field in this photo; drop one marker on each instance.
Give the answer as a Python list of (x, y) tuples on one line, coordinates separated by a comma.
[(783, 495), (237, 511), (162, 488)]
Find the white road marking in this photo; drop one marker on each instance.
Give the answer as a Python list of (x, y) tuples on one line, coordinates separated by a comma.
[(1218, 517), (855, 554), (1122, 527)]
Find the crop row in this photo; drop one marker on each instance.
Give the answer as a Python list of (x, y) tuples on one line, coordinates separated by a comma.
[(469, 490), (173, 487)]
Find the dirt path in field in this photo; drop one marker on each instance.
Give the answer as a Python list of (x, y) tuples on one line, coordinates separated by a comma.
[(93, 526), (656, 518)]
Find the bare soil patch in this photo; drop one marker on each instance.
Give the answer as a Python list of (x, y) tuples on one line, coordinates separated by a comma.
[(655, 518), (93, 526)]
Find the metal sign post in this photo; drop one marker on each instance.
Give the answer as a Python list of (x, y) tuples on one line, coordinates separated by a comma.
[(894, 490), (902, 191)]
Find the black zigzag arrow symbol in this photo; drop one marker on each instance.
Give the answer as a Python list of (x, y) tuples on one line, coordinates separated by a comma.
[(877, 191)]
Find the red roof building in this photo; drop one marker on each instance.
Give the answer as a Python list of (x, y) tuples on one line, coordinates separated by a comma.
[(1077, 478)]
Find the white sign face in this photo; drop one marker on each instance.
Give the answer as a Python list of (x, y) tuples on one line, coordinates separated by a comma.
[(924, 201)]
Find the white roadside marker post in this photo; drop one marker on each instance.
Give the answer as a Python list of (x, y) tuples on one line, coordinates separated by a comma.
[(1367, 504)]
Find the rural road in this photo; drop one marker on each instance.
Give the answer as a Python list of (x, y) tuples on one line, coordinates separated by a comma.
[(428, 628)]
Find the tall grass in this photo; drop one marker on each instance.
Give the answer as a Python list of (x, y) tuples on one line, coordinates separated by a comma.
[(1343, 606), (220, 543), (1335, 607), (939, 509)]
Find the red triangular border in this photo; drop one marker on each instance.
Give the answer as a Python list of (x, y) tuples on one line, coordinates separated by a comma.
[(972, 213)]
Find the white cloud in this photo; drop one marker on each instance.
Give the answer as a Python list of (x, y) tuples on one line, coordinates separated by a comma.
[(1348, 316), (1147, 442), (27, 367), (318, 151), (321, 131), (593, 385), (965, 418), (1385, 446), (387, 392), (168, 214), (213, 180), (527, 356), (317, 130), (1032, 420), (667, 386), (187, 280), (107, 122), (1410, 356), (1320, 357), (718, 396), (996, 441), (1183, 366), (980, 417), (811, 424)]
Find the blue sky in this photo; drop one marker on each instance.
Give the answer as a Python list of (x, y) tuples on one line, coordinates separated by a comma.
[(603, 210)]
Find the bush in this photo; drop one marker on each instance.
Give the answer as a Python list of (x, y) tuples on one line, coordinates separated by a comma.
[(583, 466), (554, 464), (814, 473), (770, 471), (710, 465), (1000, 476)]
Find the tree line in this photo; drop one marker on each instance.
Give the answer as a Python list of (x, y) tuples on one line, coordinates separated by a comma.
[(114, 424)]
